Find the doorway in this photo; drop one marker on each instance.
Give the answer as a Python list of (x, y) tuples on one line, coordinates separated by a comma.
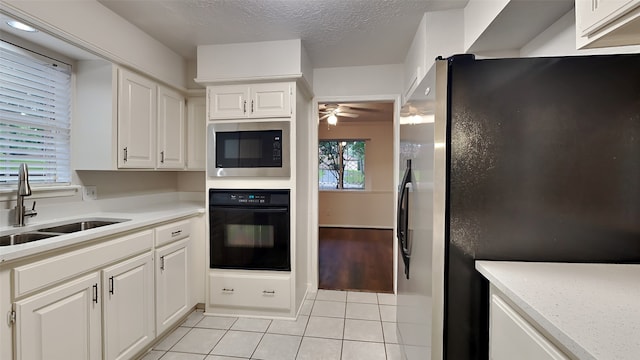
[(356, 197)]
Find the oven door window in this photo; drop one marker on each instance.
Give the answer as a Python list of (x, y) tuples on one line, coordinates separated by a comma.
[(249, 238)]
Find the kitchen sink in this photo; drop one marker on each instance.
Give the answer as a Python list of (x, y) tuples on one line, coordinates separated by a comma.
[(80, 225), (21, 238), (56, 230)]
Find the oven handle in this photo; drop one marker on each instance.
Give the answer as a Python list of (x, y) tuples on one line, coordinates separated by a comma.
[(252, 209)]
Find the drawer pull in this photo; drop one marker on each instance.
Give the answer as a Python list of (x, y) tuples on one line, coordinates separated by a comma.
[(176, 233), (268, 292), (227, 290)]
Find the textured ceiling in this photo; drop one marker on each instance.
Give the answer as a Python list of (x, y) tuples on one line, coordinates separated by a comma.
[(334, 32)]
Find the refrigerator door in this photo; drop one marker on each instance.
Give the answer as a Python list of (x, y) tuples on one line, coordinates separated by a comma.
[(414, 291), (543, 165)]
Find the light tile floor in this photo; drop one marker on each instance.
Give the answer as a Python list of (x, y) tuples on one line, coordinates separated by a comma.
[(333, 325)]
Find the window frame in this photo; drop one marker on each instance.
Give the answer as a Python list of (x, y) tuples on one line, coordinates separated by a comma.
[(364, 156), (65, 187)]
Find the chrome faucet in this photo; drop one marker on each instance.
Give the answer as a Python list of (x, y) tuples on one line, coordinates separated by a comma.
[(23, 190)]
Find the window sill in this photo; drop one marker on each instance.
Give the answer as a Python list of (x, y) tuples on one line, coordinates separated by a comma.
[(40, 192)]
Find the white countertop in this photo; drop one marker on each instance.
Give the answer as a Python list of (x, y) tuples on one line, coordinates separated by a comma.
[(144, 214), (593, 310)]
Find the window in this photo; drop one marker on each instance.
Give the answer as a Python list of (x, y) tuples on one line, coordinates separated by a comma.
[(35, 105), (341, 164)]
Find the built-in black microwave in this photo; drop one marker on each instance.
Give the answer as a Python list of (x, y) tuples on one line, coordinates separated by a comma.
[(248, 149)]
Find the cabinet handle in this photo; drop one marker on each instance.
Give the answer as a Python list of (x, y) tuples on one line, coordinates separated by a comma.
[(176, 233), (161, 157), (268, 292), (162, 263), (227, 290), (95, 293), (125, 154), (111, 285), (244, 106), (252, 106)]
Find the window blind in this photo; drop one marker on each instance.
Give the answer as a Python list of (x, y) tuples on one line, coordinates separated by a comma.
[(35, 106)]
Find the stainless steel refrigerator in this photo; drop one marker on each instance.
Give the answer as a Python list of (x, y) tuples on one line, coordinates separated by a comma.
[(527, 159)]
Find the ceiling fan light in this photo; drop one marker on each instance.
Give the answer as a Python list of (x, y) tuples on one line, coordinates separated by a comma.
[(332, 119)]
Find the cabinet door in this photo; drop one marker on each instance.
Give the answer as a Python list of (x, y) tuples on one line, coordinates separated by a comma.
[(136, 121), (128, 307), (172, 290), (171, 134), (512, 337), (228, 102), (595, 14), (61, 323), (270, 100), (196, 133)]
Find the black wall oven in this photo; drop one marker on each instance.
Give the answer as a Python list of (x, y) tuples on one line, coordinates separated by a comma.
[(249, 229)]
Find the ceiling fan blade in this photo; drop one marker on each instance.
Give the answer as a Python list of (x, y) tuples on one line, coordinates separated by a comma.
[(325, 116), (363, 109), (348, 115)]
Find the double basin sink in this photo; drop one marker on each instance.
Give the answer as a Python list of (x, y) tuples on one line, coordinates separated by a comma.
[(47, 231)]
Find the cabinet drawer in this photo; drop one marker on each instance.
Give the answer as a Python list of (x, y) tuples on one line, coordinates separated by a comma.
[(252, 291), (513, 337), (55, 269), (172, 232)]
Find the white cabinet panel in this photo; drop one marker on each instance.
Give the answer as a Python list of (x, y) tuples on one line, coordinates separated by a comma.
[(602, 23), (270, 100), (196, 133), (128, 307), (137, 97), (61, 323), (228, 102), (252, 291), (512, 337), (171, 129), (266, 100), (172, 289)]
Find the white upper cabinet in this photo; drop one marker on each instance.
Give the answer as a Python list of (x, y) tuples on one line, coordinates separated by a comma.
[(137, 113), (196, 133), (250, 101), (171, 129), (602, 23), (125, 120)]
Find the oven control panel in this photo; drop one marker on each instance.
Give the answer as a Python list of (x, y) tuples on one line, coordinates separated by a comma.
[(248, 198), (261, 197)]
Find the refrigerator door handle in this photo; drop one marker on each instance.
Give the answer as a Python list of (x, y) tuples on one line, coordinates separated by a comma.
[(403, 218)]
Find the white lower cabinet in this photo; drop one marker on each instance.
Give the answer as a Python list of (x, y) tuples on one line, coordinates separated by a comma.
[(105, 301), (172, 291), (227, 289), (513, 337), (128, 307), (61, 323)]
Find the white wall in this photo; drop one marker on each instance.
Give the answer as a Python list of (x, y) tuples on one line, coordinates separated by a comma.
[(478, 15), (560, 40), (358, 80)]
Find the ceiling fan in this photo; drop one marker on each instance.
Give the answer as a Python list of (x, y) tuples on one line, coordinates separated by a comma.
[(331, 112)]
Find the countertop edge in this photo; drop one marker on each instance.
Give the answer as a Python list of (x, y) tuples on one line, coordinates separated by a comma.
[(140, 218), (484, 267)]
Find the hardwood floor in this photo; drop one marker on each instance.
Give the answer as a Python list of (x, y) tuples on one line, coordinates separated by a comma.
[(356, 259)]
